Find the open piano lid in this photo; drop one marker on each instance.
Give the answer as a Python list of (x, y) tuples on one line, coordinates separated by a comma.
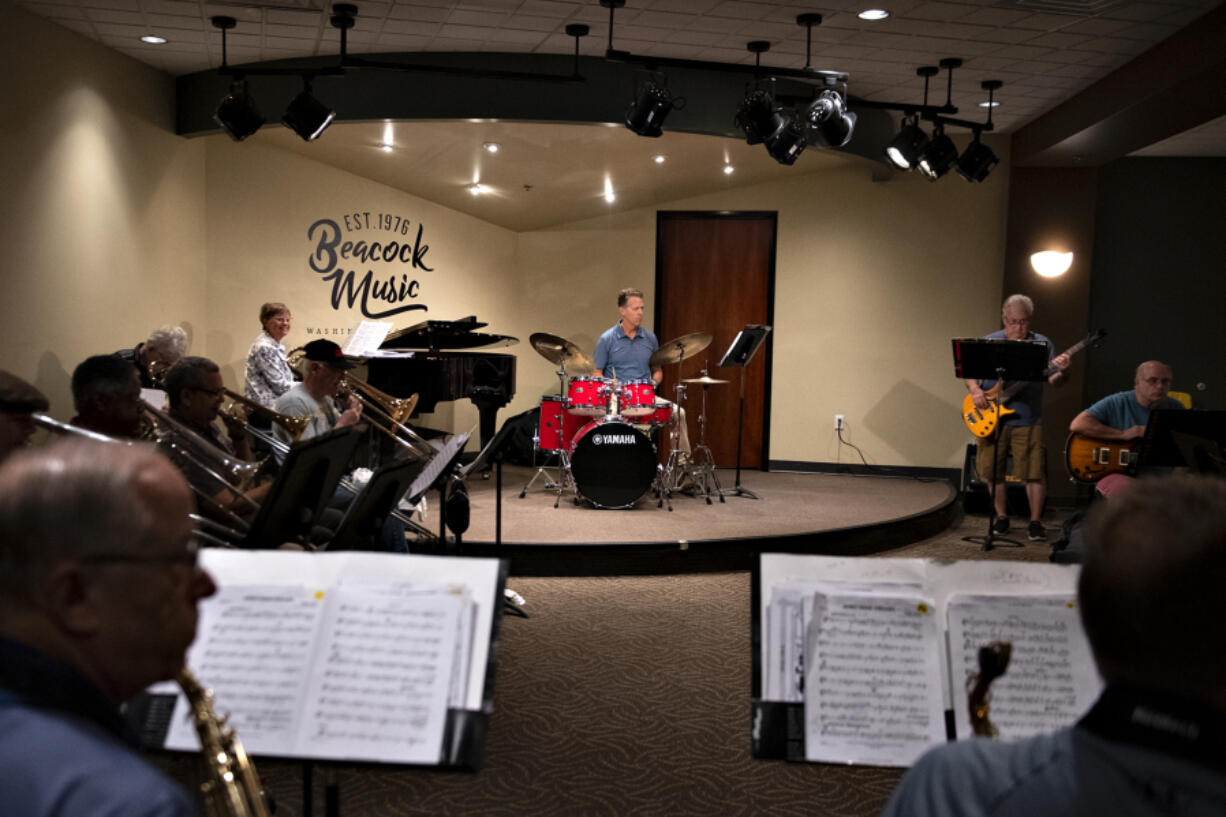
[(438, 335)]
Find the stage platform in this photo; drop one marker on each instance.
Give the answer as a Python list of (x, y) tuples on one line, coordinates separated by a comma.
[(806, 513)]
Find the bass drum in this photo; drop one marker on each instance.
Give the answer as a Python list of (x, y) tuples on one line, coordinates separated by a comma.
[(613, 463)]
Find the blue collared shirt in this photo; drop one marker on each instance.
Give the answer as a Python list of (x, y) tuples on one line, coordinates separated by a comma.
[(627, 357)]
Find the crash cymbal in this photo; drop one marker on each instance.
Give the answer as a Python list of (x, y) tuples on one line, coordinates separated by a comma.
[(704, 380), (680, 349), (562, 352)]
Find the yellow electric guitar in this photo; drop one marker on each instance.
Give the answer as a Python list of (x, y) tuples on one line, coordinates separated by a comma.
[(1089, 459), (982, 422)]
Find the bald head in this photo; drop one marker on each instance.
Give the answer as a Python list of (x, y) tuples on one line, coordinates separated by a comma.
[(1152, 382), (1154, 570)]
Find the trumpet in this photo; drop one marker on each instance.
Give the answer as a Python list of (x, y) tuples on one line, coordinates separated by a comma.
[(294, 426)]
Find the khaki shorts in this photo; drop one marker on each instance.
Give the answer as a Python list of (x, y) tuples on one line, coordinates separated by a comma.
[(1029, 456)]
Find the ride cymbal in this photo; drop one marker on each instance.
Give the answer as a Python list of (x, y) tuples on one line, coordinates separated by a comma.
[(704, 380), (680, 349)]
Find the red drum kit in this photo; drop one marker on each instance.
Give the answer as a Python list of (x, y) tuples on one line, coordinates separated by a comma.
[(604, 431)]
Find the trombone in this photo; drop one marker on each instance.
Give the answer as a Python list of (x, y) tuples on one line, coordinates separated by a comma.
[(294, 426), (222, 535)]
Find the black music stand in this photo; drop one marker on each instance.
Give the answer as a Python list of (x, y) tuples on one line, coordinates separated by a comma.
[(984, 359), (494, 451), (742, 350), (308, 478), (363, 520), (1180, 438)]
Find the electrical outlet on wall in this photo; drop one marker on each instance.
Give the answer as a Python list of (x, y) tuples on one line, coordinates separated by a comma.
[(838, 422)]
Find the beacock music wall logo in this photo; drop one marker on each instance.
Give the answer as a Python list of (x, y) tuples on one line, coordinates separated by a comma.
[(386, 245)]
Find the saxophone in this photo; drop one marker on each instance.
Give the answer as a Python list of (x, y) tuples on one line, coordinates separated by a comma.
[(993, 662), (231, 787)]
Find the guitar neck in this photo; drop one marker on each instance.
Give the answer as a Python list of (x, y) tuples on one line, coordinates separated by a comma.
[(1014, 388)]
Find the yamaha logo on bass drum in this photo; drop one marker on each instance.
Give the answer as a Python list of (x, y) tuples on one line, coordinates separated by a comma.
[(613, 439)]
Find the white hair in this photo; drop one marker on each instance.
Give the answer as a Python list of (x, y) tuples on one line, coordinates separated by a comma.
[(1020, 302), (168, 339)]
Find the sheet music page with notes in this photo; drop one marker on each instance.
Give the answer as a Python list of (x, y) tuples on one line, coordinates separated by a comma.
[(872, 680), (354, 656), (1050, 682), (884, 636), (367, 337)]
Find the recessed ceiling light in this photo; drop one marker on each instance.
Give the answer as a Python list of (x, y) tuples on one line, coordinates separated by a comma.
[(728, 170), (476, 189), (992, 104), (490, 147), (385, 148), (873, 14), (659, 158), (153, 39)]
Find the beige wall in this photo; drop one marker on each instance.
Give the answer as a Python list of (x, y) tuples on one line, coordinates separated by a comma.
[(113, 225), (102, 215)]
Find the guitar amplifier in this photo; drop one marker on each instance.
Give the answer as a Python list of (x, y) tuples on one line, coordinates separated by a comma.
[(975, 491)]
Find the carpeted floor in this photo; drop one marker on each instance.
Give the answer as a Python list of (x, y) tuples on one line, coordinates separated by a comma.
[(624, 696)]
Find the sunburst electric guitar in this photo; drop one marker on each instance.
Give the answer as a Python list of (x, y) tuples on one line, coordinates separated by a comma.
[(982, 422), (1089, 459)]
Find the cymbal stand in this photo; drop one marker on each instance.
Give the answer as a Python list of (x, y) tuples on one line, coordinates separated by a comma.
[(701, 468), (669, 476), (564, 478)]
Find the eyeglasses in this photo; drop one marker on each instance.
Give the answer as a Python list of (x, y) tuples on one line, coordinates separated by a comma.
[(189, 557), (1156, 381)]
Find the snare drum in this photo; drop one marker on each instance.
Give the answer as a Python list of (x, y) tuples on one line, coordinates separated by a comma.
[(638, 398), (613, 463), (588, 396), (553, 418)]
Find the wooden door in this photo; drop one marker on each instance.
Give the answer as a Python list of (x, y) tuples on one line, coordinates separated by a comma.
[(715, 272)]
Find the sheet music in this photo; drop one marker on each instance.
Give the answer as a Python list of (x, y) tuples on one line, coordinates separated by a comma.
[(872, 682), (367, 337), (436, 465), (345, 655), (1050, 682), (383, 676), (253, 650)]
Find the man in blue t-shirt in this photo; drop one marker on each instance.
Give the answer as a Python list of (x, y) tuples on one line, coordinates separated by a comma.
[(1124, 415), (624, 350), (1022, 430)]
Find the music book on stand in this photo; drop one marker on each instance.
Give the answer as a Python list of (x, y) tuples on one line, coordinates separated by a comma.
[(385, 658), (867, 660)]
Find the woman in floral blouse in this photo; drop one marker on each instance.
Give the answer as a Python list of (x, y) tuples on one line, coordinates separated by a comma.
[(268, 372)]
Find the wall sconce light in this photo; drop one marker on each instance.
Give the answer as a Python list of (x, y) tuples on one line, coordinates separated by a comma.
[(1051, 264)]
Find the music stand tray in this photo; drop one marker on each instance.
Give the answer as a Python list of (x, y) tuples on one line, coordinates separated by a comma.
[(301, 491), (742, 350), (378, 498), (1180, 437), (999, 360)]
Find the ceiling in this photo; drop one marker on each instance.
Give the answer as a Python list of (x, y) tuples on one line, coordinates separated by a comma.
[(1045, 51)]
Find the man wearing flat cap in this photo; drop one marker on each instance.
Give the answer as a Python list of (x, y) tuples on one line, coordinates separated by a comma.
[(18, 402)]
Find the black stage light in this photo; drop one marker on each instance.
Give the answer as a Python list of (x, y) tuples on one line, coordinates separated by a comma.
[(939, 156), (904, 150), (237, 113), (976, 162), (785, 144), (307, 116), (645, 116), (830, 124), (759, 117)]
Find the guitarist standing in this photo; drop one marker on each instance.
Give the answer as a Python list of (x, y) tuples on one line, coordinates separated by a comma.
[(1022, 429)]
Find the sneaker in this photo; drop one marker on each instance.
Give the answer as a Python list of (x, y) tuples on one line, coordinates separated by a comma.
[(1001, 525), (1036, 532)]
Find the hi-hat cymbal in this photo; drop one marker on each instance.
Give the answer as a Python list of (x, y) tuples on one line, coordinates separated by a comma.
[(562, 352), (704, 380), (680, 349)]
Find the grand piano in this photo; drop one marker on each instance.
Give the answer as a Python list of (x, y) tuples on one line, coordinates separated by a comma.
[(442, 367)]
